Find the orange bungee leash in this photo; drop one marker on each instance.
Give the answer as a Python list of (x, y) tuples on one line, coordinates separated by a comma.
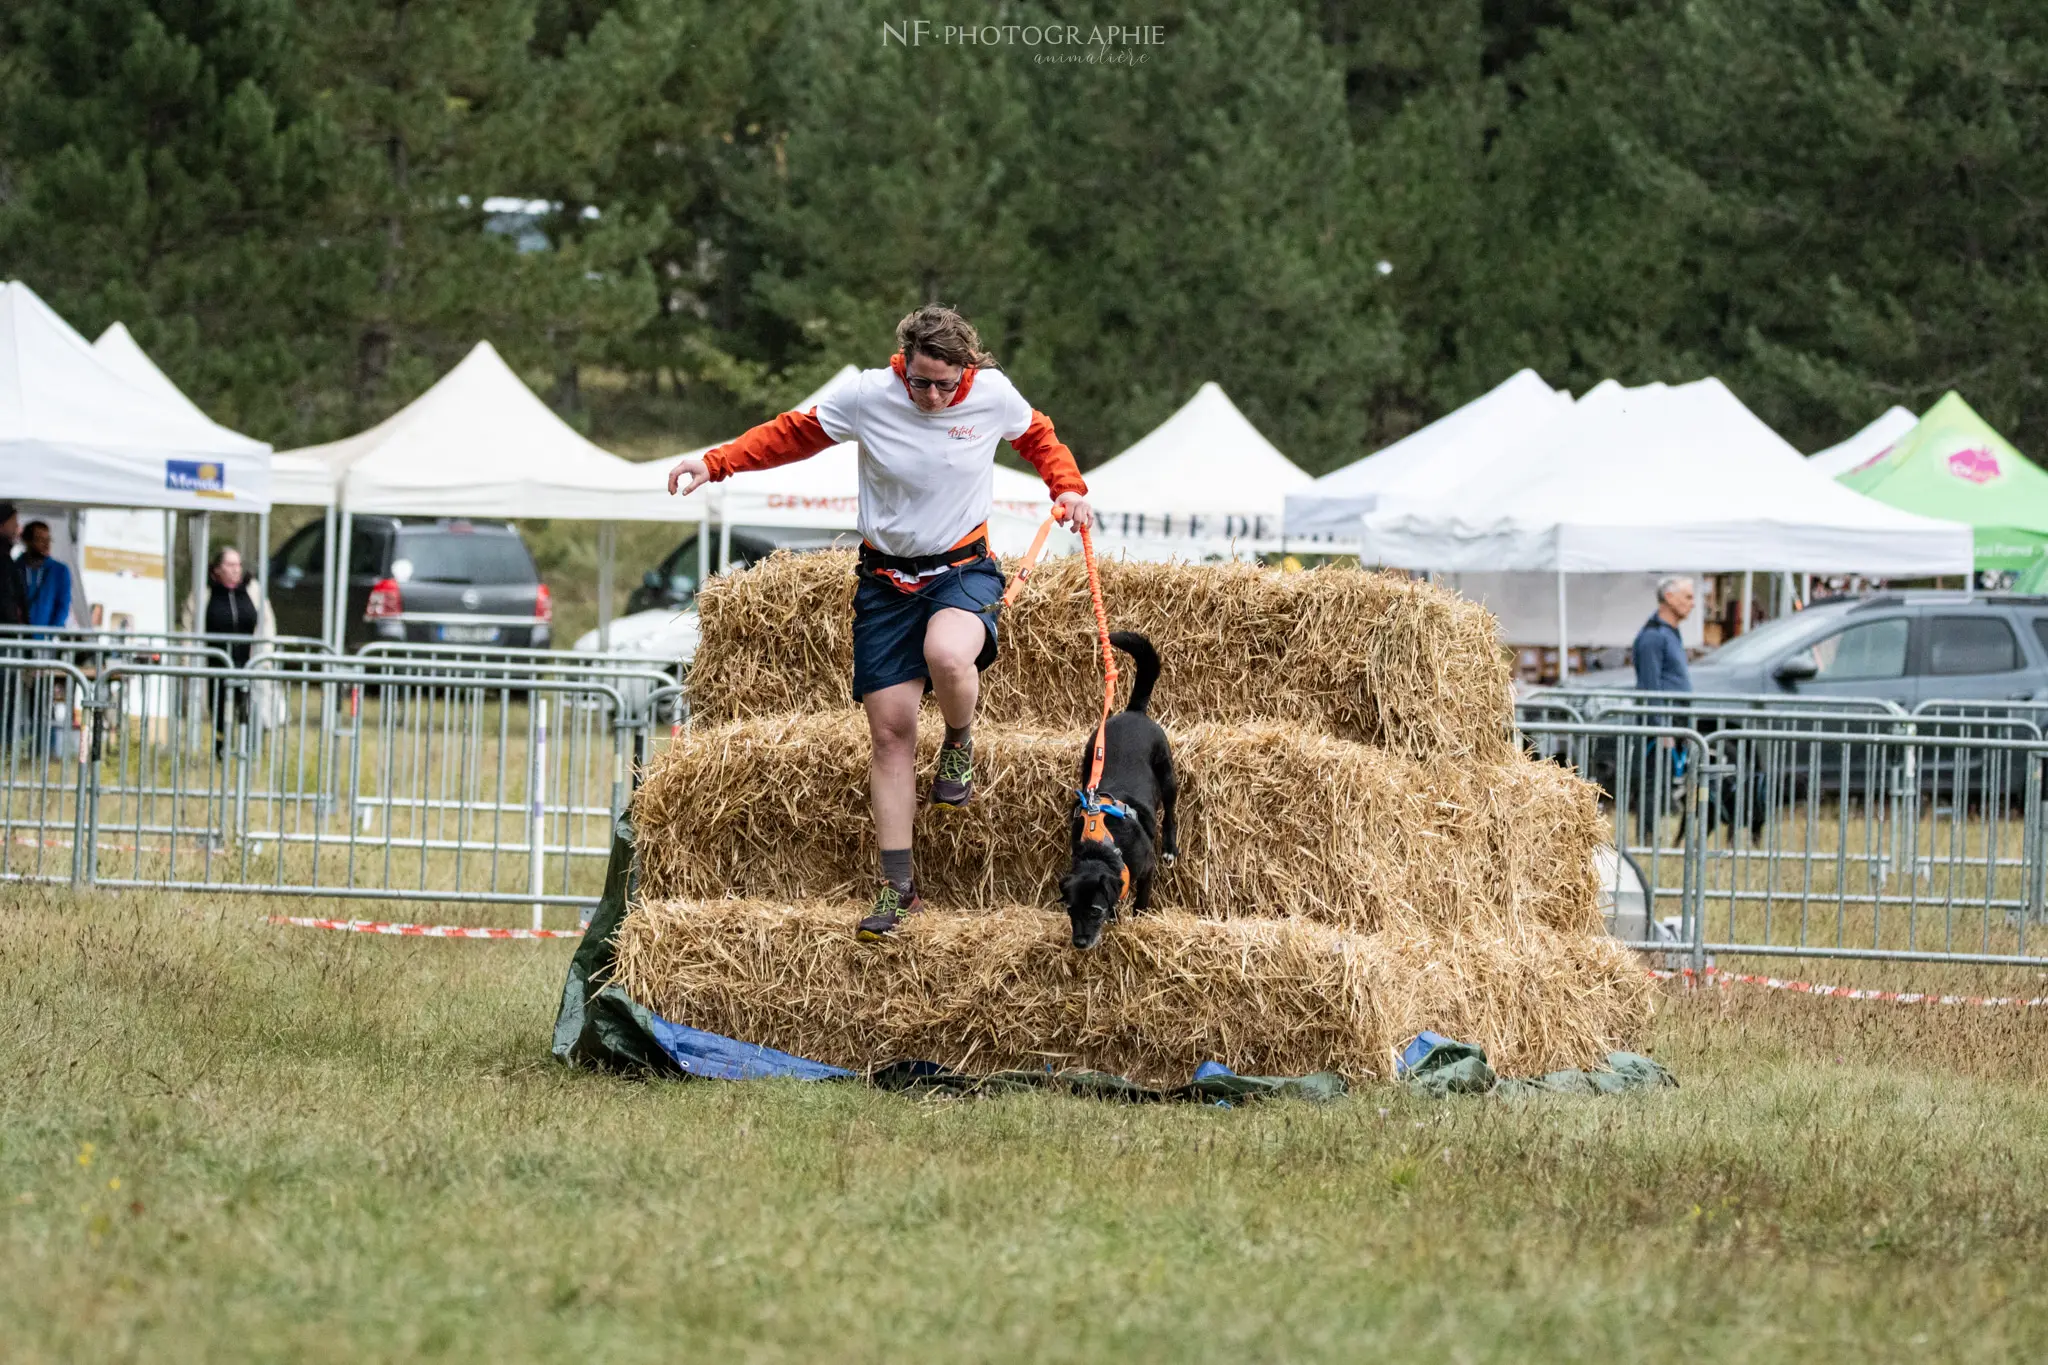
[(1095, 812)]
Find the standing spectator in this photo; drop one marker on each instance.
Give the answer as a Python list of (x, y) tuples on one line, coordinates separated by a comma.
[(47, 580), (1659, 651), (235, 606), (13, 612), (13, 590), (1659, 654)]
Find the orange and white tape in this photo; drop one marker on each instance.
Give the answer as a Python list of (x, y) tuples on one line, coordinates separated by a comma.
[(1715, 976), (371, 926)]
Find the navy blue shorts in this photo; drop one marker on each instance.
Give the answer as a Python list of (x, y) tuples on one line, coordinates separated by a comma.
[(888, 623)]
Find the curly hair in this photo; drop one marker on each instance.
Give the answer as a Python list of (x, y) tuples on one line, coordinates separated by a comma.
[(941, 333)]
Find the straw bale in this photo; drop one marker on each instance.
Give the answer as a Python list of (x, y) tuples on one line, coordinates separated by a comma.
[(1273, 821), (1163, 992), (1358, 655)]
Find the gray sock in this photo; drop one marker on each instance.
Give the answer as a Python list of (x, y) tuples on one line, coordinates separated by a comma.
[(964, 736), (896, 867)]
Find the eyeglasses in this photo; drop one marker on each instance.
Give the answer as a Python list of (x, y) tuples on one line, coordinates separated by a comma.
[(921, 384)]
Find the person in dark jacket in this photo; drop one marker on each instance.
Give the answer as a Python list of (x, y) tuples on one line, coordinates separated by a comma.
[(1659, 654), (13, 612), (13, 588), (231, 611)]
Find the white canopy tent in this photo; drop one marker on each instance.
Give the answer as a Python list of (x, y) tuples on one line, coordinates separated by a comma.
[(1656, 479), (479, 443), (1205, 482), (1433, 458), (119, 351), (1441, 459), (74, 431), (78, 432), (1866, 445)]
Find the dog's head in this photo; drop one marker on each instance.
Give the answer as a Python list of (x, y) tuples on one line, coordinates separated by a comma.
[(1091, 891)]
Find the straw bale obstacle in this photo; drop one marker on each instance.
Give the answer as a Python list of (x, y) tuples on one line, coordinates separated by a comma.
[(1364, 852), (1360, 656)]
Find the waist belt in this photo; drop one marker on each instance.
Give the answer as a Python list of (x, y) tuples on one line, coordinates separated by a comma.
[(874, 561)]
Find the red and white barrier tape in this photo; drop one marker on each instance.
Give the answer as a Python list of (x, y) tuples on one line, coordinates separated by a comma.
[(1717, 976), (371, 926)]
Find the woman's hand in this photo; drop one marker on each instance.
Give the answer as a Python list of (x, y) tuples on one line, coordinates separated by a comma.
[(699, 472), (1079, 513)]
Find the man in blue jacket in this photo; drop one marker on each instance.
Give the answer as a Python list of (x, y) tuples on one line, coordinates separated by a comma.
[(1659, 654), (1659, 651), (48, 580)]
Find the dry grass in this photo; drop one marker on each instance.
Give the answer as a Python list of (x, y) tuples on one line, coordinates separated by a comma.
[(1273, 821), (336, 1148), (1355, 655), (1161, 995)]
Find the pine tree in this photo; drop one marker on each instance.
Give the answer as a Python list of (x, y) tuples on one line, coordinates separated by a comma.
[(1828, 205), (442, 108), (152, 159)]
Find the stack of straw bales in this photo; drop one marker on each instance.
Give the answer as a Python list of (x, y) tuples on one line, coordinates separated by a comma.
[(1363, 852)]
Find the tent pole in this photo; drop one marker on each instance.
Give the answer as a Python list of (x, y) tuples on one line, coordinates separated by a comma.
[(1564, 638), (1748, 577), (200, 529), (170, 572), (263, 548), (703, 552), (724, 545), (607, 550), (341, 582), (327, 572), (202, 543)]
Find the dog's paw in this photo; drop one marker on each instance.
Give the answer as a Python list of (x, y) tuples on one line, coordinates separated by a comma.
[(1168, 859)]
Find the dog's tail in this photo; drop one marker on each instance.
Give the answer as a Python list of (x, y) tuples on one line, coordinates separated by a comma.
[(1140, 649)]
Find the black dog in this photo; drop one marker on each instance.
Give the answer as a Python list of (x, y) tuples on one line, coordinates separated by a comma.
[(1137, 772)]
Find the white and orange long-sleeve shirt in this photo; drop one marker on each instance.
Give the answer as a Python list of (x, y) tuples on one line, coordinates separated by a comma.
[(926, 478)]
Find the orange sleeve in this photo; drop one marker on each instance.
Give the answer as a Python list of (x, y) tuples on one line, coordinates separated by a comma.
[(791, 437), (1049, 456)]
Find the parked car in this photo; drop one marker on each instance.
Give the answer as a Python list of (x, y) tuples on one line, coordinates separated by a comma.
[(673, 582), (1905, 648), (659, 633), (1900, 647), (441, 580)]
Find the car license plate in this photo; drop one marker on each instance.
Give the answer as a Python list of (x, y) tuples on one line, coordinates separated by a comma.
[(468, 635)]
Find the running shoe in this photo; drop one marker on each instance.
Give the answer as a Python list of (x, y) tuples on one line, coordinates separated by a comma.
[(953, 788), (891, 908)]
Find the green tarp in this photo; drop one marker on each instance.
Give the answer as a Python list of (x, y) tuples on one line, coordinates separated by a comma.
[(1454, 1068), (1954, 466)]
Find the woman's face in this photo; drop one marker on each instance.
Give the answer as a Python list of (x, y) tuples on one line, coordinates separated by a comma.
[(228, 573), (932, 382)]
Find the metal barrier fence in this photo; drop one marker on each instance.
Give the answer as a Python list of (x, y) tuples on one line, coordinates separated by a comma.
[(434, 780), (1832, 828), (1819, 830)]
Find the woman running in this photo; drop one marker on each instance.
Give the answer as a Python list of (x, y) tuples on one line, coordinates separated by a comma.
[(924, 614)]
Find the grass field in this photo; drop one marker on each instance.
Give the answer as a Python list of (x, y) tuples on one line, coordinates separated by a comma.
[(220, 1140)]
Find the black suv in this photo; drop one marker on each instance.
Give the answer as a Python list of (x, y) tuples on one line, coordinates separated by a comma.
[(438, 580)]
